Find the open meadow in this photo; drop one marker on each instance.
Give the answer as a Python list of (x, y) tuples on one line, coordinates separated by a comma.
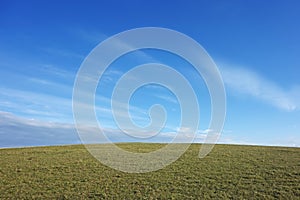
[(229, 171)]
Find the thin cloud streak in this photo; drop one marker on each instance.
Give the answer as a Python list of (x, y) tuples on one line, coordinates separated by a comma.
[(248, 82), (56, 108), (167, 98)]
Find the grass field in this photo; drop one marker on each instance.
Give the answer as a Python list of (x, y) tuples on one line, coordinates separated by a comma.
[(229, 171)]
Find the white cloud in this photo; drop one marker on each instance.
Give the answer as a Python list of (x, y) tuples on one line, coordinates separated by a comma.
[(167, 98), (206, 131), (17, 131), (54, 70), (36, 104), (56, 108), (248, 82)]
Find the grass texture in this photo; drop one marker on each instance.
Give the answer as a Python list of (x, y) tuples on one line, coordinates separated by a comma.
[(228, 172)]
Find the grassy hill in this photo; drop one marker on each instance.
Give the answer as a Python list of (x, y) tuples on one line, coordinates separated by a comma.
[(229, 171)]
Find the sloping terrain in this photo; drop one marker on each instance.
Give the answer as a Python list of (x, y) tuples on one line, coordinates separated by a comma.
[(229, 171)]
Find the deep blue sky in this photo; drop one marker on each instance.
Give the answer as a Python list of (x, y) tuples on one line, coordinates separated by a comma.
[(255, 44)]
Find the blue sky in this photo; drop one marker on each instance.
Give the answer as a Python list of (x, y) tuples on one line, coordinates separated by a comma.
[(255, 44)]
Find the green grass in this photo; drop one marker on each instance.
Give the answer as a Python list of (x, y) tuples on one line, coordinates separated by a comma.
[(229, 171)]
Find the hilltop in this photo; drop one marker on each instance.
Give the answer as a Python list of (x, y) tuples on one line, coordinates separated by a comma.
[(229, 171)]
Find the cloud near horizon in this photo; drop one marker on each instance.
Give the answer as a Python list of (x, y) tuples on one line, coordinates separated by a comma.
[(21, 132), (53, 108)]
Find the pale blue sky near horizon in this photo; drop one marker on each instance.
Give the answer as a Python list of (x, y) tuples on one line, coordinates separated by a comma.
[(255, 44)]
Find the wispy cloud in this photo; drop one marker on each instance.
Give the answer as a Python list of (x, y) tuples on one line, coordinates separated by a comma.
[(117, 44), (167, 98), (56, 71), (62, 52), (17, 132), (36, 104), (50, 84), (245, 81), (55, 108)]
